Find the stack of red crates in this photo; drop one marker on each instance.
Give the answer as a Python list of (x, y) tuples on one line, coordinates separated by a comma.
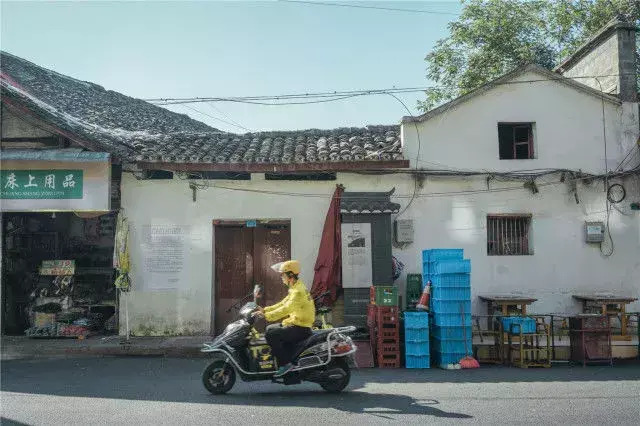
[(384, 332)]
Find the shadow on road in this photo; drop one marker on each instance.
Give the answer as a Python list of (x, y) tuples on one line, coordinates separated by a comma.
[(355, 402)]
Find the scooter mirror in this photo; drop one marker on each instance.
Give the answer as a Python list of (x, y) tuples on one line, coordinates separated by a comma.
[(257, 292)]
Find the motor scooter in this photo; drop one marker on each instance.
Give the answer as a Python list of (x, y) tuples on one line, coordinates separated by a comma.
[(322, 358)]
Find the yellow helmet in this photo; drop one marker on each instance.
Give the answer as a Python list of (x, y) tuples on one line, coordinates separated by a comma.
[(292, 266)]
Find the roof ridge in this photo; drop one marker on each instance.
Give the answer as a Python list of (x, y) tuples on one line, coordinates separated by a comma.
[(511, 75)]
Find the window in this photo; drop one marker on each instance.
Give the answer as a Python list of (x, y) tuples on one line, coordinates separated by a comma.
[(209, 175), (508, 235), (300, 176), (159, 175), (516, 141)]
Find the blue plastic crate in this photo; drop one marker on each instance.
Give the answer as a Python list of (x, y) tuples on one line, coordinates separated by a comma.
[(417, 348), (416, 334), (442, 267), (448, 357), (413, 361), (449, 280), (416, 320), (441, 254), (451, 345), (450, 306), (512, 325), (450, 332), (451, 319), (450, 293)]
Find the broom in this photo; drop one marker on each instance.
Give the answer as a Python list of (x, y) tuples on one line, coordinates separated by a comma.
[(468, 361)]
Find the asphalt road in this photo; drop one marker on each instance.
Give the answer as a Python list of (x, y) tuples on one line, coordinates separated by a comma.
[(154, 391)]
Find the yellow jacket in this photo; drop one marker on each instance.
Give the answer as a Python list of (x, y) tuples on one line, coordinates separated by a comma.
[(296, 308)]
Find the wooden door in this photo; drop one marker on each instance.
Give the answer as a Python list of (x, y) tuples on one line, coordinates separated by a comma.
[(243, 257), (233, 271), (271, 244)]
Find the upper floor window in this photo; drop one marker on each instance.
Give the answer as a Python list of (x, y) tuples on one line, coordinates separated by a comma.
[(516, 141)]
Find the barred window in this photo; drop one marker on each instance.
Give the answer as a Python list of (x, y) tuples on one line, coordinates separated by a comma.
[(508, 235)]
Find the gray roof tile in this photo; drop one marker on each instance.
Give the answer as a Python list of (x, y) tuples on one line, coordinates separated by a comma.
[(139, 131)]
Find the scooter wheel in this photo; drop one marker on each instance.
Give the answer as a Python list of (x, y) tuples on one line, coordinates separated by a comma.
[(338, 385), (219, 377)]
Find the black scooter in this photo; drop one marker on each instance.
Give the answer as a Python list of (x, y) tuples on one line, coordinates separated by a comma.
[(240, 350)]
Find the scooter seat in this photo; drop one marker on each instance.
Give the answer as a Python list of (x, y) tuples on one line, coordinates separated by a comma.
[(317, 336)]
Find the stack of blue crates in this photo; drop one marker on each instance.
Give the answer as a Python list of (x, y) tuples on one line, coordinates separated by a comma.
[(416, 340), (450, 308)]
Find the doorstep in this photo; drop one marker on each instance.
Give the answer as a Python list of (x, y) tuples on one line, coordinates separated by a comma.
[(22, 347)]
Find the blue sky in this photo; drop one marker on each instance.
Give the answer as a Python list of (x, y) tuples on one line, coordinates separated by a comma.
[(188, 49)]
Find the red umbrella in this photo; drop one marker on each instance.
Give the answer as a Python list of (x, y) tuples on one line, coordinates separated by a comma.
[(328, 269)]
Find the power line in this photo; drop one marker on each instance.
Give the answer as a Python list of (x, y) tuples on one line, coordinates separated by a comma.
[(357, 6), (215, 118), (215, 108), (322, 97), (425, 195)]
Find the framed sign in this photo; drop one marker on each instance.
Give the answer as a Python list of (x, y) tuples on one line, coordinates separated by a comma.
[(357, 270), (41, 184), (58, 267), (36, 185)]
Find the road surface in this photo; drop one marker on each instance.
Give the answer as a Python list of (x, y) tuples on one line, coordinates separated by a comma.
[(154, 391)]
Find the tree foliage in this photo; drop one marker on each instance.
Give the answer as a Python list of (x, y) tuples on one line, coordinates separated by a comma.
[(492, 37)]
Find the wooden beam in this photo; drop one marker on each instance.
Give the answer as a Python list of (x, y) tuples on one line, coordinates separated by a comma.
[(277, 167)]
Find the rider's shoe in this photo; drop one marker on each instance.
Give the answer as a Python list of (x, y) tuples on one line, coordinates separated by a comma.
[(283, 370)]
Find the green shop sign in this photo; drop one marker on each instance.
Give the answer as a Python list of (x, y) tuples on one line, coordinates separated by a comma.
[(41, 184)]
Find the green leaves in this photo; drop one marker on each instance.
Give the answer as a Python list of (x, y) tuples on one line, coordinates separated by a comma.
[(492, 37)]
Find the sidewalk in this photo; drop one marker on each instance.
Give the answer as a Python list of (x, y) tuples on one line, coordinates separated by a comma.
[(21, 347)]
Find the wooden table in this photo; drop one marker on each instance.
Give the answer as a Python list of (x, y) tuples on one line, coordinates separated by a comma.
[(610, 305), (502, 303)]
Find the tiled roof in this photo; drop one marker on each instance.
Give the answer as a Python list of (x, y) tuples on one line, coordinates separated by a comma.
[(136, 130), (111, 120), (368, 203), (306, 146)]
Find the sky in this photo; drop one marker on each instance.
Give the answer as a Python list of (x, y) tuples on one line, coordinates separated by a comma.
[(234, 48)]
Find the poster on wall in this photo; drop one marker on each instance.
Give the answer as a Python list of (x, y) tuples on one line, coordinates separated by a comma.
[(356, 255), (164, 251)]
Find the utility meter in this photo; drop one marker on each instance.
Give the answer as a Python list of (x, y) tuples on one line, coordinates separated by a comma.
[(594, 232), (403, 230)]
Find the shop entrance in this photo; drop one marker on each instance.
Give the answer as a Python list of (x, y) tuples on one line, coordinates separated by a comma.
[(57, 274), (243, 256)]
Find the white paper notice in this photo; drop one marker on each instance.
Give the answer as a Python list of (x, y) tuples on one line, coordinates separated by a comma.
[(356, 255), (164, 249)]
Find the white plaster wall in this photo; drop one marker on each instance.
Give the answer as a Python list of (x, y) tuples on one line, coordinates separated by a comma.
[(562, 263), (568, 130)]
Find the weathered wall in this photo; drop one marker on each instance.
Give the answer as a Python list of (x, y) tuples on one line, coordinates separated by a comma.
[(15, 127), (568, 131), (562, 264), (603, 60)]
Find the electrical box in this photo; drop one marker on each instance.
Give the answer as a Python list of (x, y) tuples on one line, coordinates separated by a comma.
[(403, 230), (594, 232)]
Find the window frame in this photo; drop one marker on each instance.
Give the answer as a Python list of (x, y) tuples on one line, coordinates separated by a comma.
[(530, 125), (501, 236)]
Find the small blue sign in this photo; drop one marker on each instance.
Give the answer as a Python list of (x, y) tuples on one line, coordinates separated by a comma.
[(252, 224)]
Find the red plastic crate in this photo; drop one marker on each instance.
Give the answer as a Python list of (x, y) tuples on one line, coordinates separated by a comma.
[(371, 315), (389, 360), (388, 348), (386, 334), (387, 315)]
